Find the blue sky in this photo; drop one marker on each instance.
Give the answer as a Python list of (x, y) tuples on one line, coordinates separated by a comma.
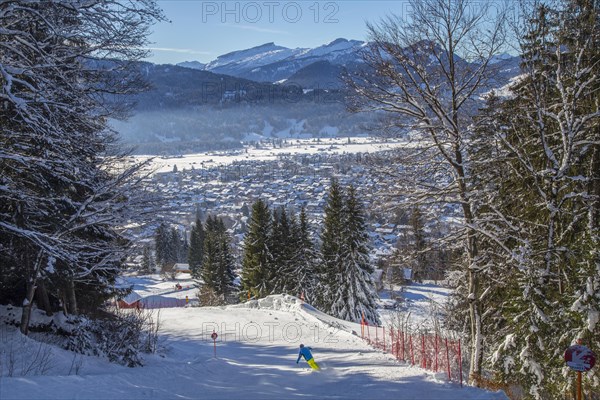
[(202, 30)]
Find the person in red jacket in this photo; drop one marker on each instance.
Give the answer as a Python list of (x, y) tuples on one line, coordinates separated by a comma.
[(305, 352)]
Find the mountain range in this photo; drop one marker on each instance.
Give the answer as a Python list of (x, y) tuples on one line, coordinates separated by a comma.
[(267, 91), (277, 64)]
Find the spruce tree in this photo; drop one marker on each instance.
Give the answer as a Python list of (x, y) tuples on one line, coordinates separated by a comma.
[(307, 259), (162, 243), (61, 199), (303, 259), (217, 264), (257, 262), (282, 251), (175, 247), (226, 265), (332, 247), (418, 257), (148, 264), (196, 250), (360, 295), (346, 289)]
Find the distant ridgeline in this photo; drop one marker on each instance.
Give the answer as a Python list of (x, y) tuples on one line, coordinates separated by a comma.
[(268, 92)]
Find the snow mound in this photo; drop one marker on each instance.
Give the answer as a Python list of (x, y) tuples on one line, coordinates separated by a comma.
[(297, 307), (275, 302)]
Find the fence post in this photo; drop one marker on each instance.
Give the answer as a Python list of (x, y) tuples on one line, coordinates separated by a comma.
[(403, 347), (460, 363), (423, 360), (362, 326), (398, 343), (383, 327), (392, 341), (448, 360), (412, 352), (436, 353)]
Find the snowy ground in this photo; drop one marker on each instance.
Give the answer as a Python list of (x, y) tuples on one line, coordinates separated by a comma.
[(419, 304), (256, 358), (158, 292), (269, 153)]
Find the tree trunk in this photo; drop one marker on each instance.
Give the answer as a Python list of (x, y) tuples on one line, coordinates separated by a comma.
[(63, 299), (72, 298), (474, 313), (28, 301), (42, 297), (472, 274), (26, 313)]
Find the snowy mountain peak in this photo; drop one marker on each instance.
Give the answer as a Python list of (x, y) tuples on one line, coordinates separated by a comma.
[(337, 41), (271, 62), (256, 56), (271, 46), (332, 50)]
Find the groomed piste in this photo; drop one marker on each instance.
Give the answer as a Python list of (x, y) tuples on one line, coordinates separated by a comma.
[(256, 350)]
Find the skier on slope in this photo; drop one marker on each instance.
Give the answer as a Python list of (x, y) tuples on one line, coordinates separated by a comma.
[(305, 352)]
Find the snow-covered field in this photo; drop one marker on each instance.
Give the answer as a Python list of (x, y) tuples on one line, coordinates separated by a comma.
[(269, 153), (421, 304), (157, 292), (256, 359)]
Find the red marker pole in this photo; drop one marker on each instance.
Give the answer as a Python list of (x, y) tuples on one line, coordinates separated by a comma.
[(412, 352), (403, 355), (214, 337), (448, 360), (362, 326), (436, 353), (423, 359)]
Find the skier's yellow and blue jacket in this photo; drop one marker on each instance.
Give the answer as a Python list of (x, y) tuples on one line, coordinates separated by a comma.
[(305, 352)]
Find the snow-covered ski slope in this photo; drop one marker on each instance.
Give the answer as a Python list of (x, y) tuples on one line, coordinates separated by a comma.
[(257, 349)]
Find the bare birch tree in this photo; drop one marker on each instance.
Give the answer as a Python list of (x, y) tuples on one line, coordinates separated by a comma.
[(424, 72)]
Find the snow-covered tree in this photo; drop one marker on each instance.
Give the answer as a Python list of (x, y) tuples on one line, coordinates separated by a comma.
[(217, 263), (284, 252), (426, 73), (257, 263), (148, 263), (547, 136), (361, 293), (61, 191), (305, 259), (345, 288), (196, 250)]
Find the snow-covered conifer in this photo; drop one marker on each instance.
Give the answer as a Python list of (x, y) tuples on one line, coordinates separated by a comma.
[(257, 262)]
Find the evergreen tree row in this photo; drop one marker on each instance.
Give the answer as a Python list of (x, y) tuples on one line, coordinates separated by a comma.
[(171, 247), (280, 257), (212, 262)]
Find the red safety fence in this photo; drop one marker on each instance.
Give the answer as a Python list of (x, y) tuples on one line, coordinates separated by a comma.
[(433, 352)]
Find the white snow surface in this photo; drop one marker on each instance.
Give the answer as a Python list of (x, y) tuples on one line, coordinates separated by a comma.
[(256, 348), (266, 152)]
